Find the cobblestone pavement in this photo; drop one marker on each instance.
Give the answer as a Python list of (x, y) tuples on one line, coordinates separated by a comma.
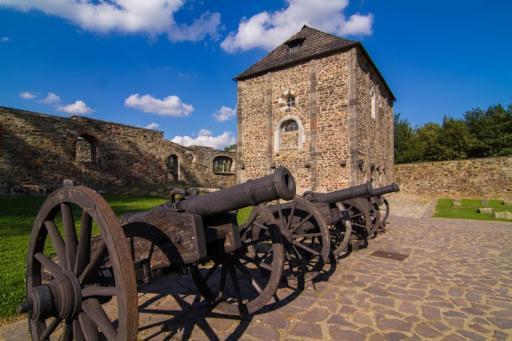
[(455, 284)]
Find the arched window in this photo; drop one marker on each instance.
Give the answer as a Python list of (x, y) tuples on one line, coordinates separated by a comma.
[(289, 134), (173, 167), (86, 149), (289, 125), (222, 165)]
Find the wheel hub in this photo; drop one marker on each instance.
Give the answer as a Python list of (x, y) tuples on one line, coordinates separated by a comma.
[(61, 298)]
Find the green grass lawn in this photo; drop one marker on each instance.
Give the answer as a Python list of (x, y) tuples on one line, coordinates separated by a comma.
[(469, 209), (17, 214)]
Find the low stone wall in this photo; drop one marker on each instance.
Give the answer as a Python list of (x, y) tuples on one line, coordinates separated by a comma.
[(38, 151), (475, 178)]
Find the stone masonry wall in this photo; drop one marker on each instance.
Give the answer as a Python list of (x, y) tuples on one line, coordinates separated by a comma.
[(332, 109), (38, 151), (488, 178), (374, 134)]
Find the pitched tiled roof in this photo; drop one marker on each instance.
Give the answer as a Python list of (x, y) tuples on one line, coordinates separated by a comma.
[(312, 43)]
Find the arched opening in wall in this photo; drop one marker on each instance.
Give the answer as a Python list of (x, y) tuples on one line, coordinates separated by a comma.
[(222, 165), (173, 167), (86, 149), (289, 134)]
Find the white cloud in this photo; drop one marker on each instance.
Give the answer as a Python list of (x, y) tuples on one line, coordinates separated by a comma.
[(169, 106), (152, 126), (267, 30), (27, 95), (206, 138), (77, 108), (126, 16), (206, 25), (5, 40), (224, 114), (51, 98)]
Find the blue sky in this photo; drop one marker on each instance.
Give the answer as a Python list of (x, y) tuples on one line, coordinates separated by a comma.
[(171, 62)]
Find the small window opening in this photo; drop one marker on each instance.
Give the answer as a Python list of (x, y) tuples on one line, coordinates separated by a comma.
[(289, 125), (86, 150), (222, 165)]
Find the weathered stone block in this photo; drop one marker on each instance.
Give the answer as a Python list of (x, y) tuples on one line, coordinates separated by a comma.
[(503, 215), (486, 210), (456, 203), (484, 203)]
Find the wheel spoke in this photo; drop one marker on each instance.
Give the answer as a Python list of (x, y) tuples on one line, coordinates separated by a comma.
[(88, 327), (302, 222), (236, 283), (211, 271), (260, 225), (150, 252), (260, 263), (96, 313), (96, 290), (254, 284), (306, 248), (69, 233), (307, 235), (222, 284), (51, 328), (77, 331), (49, 265), (356, 224), (67, 334), (84, 246), (97, 256), (57, 242), (292, 212)]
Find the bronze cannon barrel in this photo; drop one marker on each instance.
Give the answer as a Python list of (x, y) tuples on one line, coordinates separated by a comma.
[(280, 184), (386, 189), (363, 190)]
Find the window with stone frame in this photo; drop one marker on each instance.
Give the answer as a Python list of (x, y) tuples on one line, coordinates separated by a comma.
[(290, 101), (374, 103), (86, 149), (222, 165), (289, 134)]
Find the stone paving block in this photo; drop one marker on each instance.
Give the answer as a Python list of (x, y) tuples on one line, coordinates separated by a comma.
[(471, 335), (262, 332), (337, 333), (306, 329), (426, 330)]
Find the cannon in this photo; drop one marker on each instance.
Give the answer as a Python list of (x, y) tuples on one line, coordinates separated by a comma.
[(311, 225), (380, 205), (84, 266)]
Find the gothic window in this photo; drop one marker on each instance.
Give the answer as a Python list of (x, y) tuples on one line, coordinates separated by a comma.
[(222, 165), (86, 149), (173, 167)]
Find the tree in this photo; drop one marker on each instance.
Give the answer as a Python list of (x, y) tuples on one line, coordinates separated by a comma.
[(492, 129), (456, 139), (406, 142), (230, 148)]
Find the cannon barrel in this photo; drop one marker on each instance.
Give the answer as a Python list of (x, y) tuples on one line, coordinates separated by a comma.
[(363, 190), (280, 184), (386, 189)]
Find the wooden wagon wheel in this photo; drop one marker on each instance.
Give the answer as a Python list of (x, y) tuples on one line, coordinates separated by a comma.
[(361, 219), (306, 237), (65, 293), (243, 282), (383, 208)]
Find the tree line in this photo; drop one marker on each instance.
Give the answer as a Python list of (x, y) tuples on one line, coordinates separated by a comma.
[(479, 133)]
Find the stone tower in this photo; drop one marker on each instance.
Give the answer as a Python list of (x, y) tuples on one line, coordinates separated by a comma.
[(318, 105)]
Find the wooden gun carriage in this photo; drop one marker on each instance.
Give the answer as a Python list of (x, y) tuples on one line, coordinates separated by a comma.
[(74, 271)]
